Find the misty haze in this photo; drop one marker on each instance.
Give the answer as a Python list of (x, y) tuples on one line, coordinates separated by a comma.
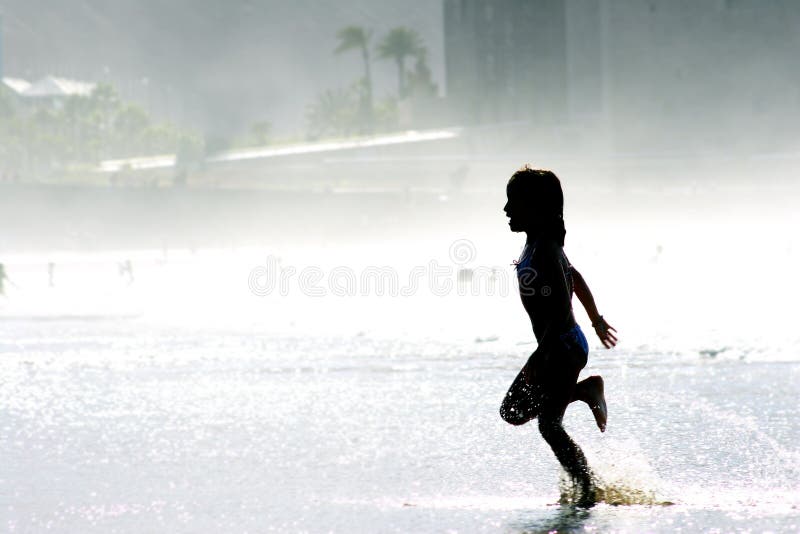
[(261, 265)]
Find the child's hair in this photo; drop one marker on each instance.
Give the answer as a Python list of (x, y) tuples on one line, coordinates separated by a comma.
[(541, 190)]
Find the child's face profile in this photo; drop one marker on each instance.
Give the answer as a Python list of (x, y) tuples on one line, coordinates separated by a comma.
[(518, 210)]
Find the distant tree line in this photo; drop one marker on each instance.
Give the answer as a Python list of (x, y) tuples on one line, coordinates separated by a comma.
[(80, 130), (48, 136)]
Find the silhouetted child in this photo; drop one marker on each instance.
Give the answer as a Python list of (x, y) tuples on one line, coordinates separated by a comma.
[(548, 382)]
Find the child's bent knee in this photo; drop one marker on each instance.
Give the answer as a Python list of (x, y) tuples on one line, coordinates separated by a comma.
[(512, 416)]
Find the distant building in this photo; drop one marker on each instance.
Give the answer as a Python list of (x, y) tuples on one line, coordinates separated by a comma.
[(55, 88), (505, 60), (16, 86), (11, 90), (50, 90), (690, 76), (645, 75)]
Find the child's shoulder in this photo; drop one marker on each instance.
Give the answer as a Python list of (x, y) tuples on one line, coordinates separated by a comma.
[(547, 252), (549, 247)]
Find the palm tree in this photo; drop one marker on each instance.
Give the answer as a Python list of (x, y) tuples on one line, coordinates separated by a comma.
[(357, 37), (398, 44)]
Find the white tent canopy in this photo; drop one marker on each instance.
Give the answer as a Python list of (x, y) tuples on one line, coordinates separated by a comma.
[(50, 86), (16, 85)]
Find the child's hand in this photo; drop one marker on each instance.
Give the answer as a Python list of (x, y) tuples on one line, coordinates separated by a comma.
[(605, 332)]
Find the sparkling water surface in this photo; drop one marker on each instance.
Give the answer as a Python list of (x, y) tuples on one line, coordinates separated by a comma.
[(184, 403)]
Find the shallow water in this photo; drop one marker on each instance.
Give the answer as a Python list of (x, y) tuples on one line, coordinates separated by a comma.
[(119, 425), (184, 403)]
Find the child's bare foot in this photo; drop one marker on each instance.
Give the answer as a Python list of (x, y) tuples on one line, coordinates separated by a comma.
[(594, 396)]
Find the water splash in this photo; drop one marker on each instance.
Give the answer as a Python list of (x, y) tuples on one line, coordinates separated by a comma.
[(622, 477), (616, 493)]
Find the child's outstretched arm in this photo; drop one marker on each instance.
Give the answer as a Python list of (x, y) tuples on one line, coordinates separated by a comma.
[(604, 331)]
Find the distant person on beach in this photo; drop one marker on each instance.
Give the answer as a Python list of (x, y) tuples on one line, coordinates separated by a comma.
[(548, 382), (3, 279), (125, 269)]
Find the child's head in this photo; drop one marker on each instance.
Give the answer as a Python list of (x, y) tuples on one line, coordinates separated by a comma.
[(536, 204)]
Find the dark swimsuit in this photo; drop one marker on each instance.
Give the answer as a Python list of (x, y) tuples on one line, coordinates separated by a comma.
[(553, 389), (575, 334)]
